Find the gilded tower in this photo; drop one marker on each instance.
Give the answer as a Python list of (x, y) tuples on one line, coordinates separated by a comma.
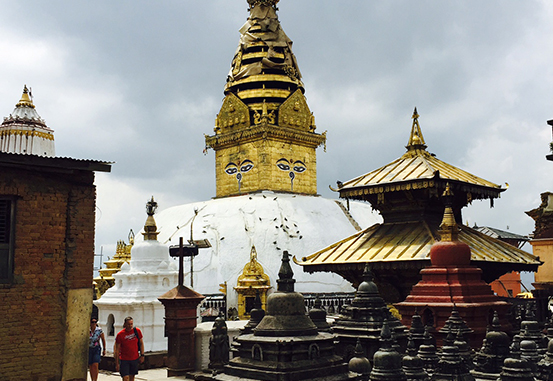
[(265, 135)]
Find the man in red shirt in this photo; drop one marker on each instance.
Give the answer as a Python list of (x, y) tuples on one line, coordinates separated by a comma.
[(129, 350)]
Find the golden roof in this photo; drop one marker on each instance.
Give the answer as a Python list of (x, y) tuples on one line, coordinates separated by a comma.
[(411, 241), (415, 169)]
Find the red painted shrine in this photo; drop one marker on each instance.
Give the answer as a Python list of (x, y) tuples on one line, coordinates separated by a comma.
[(451, 281)]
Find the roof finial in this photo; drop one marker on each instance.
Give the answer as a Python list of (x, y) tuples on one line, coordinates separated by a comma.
[(449, 231), (150, 228), (25, 100), (416, 140)]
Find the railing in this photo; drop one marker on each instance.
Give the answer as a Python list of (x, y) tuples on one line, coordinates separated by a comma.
[(212, 306), (332, 303)]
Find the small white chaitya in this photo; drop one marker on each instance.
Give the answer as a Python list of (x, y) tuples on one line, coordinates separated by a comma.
[(150, 274), (25, 132)]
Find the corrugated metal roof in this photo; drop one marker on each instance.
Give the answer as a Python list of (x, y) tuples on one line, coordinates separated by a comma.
[(415, 165), (11, 158), (501, 234), (411, 241)]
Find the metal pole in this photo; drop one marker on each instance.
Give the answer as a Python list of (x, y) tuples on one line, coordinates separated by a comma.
[(181, 265)]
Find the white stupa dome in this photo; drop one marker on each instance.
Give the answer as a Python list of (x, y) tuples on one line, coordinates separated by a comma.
[(273, 223)]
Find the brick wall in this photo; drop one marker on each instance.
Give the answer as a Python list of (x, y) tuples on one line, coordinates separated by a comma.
[(54, 252)]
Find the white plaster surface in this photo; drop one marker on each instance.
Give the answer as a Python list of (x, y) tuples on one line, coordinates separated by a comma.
[(273, 222)]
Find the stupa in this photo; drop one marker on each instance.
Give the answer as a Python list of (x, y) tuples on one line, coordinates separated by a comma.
[(495, 349), (25, 132), (364, 320), (265, 142), (149, 274), (285, 345), (453, 286), (408, 192)]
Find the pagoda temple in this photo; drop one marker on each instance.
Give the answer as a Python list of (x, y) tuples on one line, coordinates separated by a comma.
[(25, 132), (408, 193)]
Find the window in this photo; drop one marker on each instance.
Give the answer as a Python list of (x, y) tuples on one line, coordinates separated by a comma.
[(7, 230)]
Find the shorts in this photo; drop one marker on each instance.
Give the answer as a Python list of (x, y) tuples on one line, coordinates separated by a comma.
[(94, 355), (128, 367)]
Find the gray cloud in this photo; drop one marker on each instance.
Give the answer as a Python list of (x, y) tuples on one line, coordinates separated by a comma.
[(140, 82)]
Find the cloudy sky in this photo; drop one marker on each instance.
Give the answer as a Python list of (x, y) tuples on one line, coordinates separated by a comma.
[(140, 83)]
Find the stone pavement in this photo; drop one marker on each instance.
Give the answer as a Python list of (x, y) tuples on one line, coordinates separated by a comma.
[(143, 375)]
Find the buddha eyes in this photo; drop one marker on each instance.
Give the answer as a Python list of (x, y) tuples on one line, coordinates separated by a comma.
[(246, 166), (231, 171), (298, 166), (232, 168)]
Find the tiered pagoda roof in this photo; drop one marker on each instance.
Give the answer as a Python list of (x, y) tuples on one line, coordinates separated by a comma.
[(418, 169), (408, 192)]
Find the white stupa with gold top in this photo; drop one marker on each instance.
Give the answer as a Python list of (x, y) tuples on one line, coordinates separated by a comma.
[(25, 132), (150, 273), (265, 142)]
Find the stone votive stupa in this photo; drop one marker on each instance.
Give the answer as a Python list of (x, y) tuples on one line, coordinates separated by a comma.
[(387, 361), (285, 345), (428, 352), (364, 319), (412, 364), (359, 363), (545, 366), (318, 316), (495, 349), (451, 366), (514, 368)]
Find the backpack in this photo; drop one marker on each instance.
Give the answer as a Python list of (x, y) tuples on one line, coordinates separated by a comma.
[(138, 341)]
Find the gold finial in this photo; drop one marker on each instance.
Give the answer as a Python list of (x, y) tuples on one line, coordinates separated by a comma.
[(150, 228), (253, 258), (449, 230), (416, 140), (25, 100), (269, 3)]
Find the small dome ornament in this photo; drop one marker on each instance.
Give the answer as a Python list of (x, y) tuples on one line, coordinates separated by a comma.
[(150, 228), (26, 99), (267, 3)]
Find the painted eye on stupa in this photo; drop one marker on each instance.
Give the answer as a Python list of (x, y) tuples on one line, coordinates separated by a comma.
[(299, 167), (283, 165), (231, 168), (246, 166)]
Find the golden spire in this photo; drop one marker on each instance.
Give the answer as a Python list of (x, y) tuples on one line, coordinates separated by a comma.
[(25, 100), (269, 3), (150, 228), (416, 140), (449, 231)]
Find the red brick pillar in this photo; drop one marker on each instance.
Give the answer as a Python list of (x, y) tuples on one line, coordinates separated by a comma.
[(180, 320)]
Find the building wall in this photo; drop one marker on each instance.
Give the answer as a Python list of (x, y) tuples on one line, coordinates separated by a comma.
[(45, 310), (543, 248), (507, 283)]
